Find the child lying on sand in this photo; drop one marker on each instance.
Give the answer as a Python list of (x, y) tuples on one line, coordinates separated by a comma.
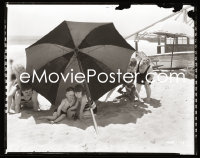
[(63, 109), (20, 94)]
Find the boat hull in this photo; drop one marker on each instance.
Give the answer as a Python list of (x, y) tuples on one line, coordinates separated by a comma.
[(180, 60)]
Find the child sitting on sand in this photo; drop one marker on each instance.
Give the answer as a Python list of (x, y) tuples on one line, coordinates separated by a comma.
[(63, 109), (131, 90), (84, 105)]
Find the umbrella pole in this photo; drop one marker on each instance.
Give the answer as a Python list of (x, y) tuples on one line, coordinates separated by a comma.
[(88, 97), (172, 53)]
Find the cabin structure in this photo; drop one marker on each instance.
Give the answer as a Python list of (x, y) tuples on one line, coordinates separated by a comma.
[(174, 50)]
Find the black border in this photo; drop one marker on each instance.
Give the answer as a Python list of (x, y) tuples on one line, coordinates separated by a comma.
[(122, 4)]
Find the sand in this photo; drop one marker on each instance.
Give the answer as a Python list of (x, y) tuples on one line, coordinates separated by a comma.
[(164, 125)]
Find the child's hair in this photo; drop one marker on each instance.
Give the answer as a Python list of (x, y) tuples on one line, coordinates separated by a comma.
[(146, 60), (79, 88), (133, 62), (69, 89), (25, 86)]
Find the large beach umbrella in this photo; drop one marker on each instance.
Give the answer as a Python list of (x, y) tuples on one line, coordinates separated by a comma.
[(74, 47)]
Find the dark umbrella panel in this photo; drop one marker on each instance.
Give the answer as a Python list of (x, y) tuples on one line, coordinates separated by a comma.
[(76, 47)]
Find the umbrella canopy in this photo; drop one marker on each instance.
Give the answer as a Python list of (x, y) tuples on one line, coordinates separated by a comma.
[(76, 47)]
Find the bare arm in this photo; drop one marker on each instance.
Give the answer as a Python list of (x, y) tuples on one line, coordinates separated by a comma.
[(35, 101), (11, 93), (120, 89), (60, 107), (83, 103), (75, 105), (150, 76)]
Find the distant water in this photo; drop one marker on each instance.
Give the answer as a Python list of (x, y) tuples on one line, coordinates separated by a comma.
[(22, 40), (16, 46)]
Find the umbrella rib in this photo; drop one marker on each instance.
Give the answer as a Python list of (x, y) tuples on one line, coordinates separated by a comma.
[(70, 62), (61, 47), (101, 47), (70, 33), (94, 49)]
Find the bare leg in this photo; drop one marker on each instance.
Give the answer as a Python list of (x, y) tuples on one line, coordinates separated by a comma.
[(60, 118), (138, 87), (148, 91), (83, 103), (55, 116), (10, 100), (17, 101), (11, 93), (70, 113), (138, 96)]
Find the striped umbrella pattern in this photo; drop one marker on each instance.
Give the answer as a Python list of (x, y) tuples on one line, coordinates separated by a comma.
[(76, 47)]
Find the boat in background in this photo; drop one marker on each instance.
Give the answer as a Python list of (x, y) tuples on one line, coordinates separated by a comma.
[(177, 34), (181, 60)]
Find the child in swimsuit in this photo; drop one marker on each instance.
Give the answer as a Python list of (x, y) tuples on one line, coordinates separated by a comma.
[(62, 111), (26, 97), (144, 78), (22, 97), (131, 91), (20, 94), (83, 108)]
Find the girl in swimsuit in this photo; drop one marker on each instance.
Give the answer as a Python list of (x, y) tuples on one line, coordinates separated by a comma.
[(62, 111), (131, 90), (143, 69), (83, 105)]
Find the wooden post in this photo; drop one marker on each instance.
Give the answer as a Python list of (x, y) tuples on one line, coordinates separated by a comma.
[(159, 47), (136, 45), (172, 52), (176, 39), (165, 43), (188, 41)]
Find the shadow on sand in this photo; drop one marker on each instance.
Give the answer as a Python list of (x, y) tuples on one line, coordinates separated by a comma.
[(108, 113)]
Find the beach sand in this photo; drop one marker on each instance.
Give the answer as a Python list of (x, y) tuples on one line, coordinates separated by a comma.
[(165, 125)]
